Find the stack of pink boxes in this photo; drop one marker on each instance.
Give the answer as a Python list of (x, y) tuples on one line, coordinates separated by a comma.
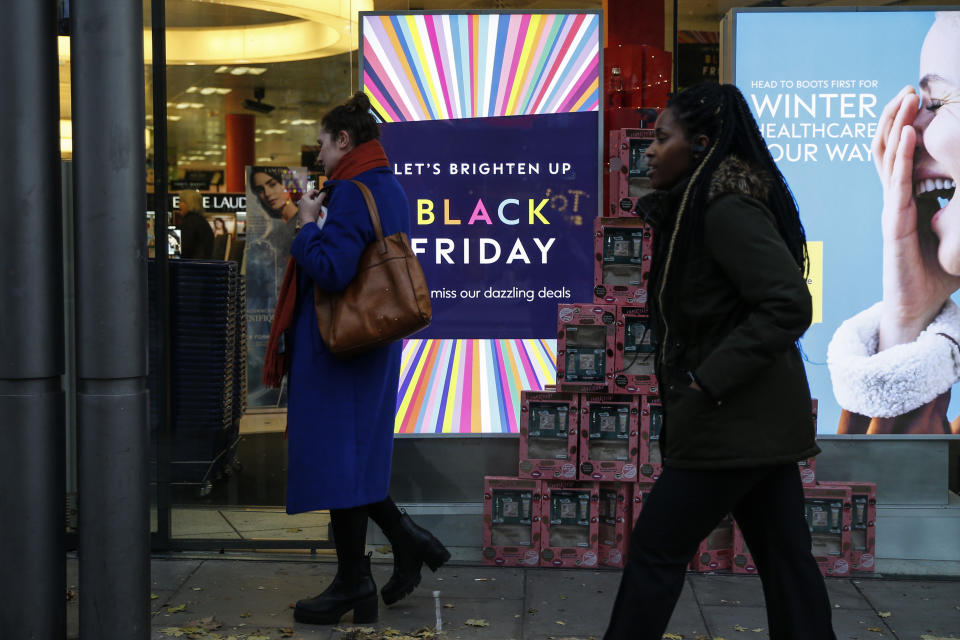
[(589, 448)]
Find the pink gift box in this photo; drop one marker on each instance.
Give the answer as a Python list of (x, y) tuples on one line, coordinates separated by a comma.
[(570, 515), (586, 336), (511, 522), (549, 438), (609, 436)]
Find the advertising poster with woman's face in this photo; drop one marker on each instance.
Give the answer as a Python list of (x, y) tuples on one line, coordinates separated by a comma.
[(272, 196), (223, 224), (861, 111)]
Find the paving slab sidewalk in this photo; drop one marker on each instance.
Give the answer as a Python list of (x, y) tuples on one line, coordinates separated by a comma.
[(251, 599)]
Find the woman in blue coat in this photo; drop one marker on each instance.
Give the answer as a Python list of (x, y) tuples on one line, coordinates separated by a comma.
[(341, 412)]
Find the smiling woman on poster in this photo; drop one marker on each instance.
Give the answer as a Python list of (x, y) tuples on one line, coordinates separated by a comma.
[(893, 365)]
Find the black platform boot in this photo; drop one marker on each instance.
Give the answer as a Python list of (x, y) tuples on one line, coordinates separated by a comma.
[(413, 546), (353, 588)]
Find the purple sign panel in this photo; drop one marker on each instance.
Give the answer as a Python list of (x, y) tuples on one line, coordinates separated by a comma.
[(501, 213)]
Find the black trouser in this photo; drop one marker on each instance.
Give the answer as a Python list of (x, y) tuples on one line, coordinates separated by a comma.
[(683, 507)]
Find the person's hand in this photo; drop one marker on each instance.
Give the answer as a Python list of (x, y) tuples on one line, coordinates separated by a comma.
[(309, 208), (915, 286)]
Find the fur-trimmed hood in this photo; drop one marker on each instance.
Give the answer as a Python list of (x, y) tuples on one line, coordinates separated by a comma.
[(734, 175)]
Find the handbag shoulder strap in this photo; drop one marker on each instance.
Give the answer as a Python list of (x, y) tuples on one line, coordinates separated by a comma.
[(374, 214)]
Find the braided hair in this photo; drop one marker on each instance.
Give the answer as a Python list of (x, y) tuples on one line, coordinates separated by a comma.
[(355, 118), (720, 112)]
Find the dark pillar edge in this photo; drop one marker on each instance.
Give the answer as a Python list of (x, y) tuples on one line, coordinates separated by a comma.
[(162, 300)]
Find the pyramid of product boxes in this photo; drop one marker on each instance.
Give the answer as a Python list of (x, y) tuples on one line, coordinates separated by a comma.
[(589, 447)]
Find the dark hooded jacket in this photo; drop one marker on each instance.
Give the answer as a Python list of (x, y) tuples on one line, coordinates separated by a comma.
[(737, 305)]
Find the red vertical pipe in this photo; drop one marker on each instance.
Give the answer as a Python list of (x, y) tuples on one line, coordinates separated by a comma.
[(240, 149)]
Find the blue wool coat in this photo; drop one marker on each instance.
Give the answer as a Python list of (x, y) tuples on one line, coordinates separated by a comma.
[(341, 412)]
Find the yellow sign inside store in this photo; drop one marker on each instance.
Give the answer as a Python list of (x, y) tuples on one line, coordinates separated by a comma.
[(815, 278)]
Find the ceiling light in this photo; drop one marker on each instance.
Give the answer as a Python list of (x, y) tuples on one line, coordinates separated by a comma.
[(208, 91), (265, 159), (271, 132), (242, 70), (222, 69), (303, 121), (192, 89), (174, 118), (315, 30)]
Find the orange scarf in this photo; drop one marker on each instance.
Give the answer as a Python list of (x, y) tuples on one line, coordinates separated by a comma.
[(363, 157)]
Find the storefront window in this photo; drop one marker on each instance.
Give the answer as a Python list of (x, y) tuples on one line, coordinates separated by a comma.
[(245, 86)]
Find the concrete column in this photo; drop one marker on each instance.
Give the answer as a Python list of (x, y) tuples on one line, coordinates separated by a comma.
[(240, 149), (111, 289), (32, 477)]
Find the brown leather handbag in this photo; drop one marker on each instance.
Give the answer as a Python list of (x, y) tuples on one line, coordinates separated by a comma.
[(387, 300)]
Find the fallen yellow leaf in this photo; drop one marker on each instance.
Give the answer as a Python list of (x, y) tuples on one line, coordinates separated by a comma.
[(476, 622), (176, 609), (757, 630), (883, 614), (173, 632), (875, 629), (561, 622), (739, 627), (448, 606), (672, 636)]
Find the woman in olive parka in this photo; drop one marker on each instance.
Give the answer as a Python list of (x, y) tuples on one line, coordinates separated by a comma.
[(729, 301)]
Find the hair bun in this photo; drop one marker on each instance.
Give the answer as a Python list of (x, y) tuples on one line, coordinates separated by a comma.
[(359, 102)]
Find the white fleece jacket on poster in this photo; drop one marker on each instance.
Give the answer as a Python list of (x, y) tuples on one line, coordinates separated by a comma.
[(899, 379)]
